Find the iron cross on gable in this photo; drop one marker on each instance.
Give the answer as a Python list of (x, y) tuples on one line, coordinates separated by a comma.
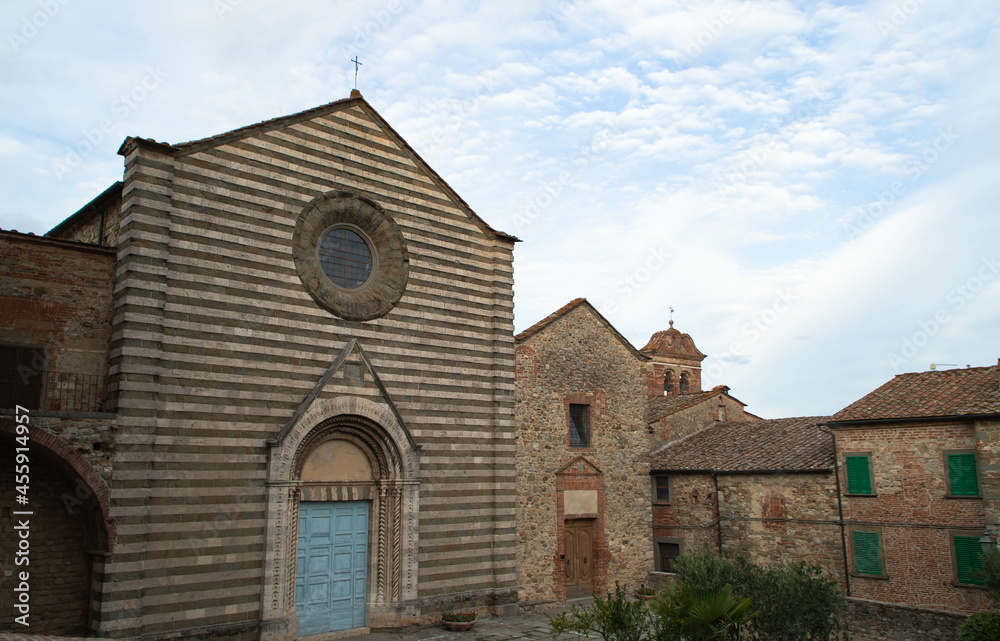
[(356, 65)]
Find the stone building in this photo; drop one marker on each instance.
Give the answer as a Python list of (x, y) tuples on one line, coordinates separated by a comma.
[(919, 470), (583, 506), (307, 339), (675, 416), (764, 487)]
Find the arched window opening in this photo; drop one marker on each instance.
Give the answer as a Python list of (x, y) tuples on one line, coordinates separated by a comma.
[(684, 383), (668, 381)]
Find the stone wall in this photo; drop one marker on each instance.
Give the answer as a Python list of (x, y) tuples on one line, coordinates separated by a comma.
[(769, 517), (697, 417), (783, 518), (889, 622), (914, 516), (691, 514), (578, 358), (97, 223)]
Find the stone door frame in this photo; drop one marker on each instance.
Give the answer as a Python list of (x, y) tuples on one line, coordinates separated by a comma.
[(395, 496)]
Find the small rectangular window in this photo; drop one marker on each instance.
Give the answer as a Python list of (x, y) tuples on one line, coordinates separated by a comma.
[(962, 474), (579, 427), (867, 552), (859, 478), (968, 562), (661, 489), (666, 552)]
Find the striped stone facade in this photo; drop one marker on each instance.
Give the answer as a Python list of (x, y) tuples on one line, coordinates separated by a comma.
[(225, 371)]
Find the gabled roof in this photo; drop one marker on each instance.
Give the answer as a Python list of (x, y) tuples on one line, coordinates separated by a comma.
[(663, 406), (777, 445), (566, 309), (936, 394), (356, 100)]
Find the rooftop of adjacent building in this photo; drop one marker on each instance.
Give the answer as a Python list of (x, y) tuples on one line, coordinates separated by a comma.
[(974, 391), (666, 405), (796, 444)]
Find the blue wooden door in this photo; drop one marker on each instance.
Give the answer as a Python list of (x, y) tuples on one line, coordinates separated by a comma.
[(331, 572)]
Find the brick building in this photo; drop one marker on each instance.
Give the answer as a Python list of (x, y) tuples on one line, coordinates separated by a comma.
[(919, 471), (583, 504), (55, 324), (765, 487), (307, 339)]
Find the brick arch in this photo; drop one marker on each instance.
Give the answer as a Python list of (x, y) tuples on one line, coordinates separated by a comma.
[(73, 463)]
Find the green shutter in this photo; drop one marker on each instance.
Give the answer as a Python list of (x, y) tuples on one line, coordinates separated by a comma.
[(968, 560), (858, 478), (962, 475), (866, 553)]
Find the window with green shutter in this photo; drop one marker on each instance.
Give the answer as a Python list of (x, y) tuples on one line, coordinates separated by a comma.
[(962, 474), (859, 479), (967, 559), (867, 557)]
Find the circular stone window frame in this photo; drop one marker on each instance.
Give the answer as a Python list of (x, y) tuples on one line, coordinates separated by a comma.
[(390, 259)]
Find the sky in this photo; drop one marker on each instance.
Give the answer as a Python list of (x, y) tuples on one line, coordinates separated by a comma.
[(811, 186)]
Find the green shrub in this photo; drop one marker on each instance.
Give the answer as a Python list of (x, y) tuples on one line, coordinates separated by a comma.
[(615, 618), (684, 612), (991, 574), (981, 626), (818, 601)]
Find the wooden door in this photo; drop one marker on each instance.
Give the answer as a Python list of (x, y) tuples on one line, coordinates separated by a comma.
[(579, 558), (331, 575)]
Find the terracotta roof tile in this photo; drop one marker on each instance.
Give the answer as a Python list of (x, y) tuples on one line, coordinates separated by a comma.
[(751, 446), (955, 392), (663, 406)]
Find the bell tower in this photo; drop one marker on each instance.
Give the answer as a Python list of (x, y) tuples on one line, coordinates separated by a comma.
[(675, 365)]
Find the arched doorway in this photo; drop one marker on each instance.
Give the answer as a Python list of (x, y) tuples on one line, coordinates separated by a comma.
[(66, 531), (344, 486)]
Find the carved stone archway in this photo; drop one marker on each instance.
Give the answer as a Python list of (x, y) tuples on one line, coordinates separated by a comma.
[(394, 491)]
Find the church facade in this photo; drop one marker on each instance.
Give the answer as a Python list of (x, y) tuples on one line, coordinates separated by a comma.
[(279, 297)]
